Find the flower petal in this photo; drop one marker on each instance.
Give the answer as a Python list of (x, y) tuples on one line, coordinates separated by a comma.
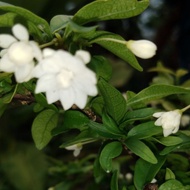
[(158, 114), (80, 99), (83, 55), (52, 96), (36, 50), (20, 32), (67, 98), (6, 65), (23, 74), (6, 40), (167, 132)]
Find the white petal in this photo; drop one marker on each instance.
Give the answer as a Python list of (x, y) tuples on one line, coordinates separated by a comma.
[(158, 122), (76, 152), (23, 74), (6, 65), (167, 132), (83, 55), (158, 114), (67, 98), (20, 32), (6, 40), (80, 99), (37, 53), (48, 52), (52, 96), (46, 83)]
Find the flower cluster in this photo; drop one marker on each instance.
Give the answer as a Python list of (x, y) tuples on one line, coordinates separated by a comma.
[(60, 75)]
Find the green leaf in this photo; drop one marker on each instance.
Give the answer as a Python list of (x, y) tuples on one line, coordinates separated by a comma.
[(115, 103), (109, 152), (72, 120), (59, 22), (109, 9), (117, 45), (34, 22), (155, 92), (114, 181), (98, 171), (42, 127), (145, 171), (86, 136), (170, 140), (140, 149), (101, 67), (145, 130), (136, 115), (104, 131), (172, 185), (169, 174)]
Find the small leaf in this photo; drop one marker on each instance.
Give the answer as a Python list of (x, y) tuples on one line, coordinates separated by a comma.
[(145, 171), (59, 22), (145, 130), (155, 92), (117, 45), (109, 152), (71, 120), (170, 140), (172, 185), (104, 10), (141, 149), (114, 181), (101, 67), (42, 127), (115, 103), (169, 174)]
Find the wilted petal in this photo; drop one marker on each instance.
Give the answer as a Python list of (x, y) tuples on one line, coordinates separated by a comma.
[(6, 40), (20, 32)]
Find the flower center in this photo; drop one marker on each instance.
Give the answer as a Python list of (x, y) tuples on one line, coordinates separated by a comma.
[(64, 78), (20, 53)]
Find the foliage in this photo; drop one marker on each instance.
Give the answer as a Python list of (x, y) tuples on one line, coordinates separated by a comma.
[(118, 134)]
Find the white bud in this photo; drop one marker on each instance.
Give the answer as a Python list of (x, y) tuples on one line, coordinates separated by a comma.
[(142, 48)]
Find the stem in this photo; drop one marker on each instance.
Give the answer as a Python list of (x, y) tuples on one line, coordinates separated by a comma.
[(54, 41), (110, 39), (186, 108)]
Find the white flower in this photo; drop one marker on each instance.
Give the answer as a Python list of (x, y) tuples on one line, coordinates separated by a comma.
[(76, 149), (19, 53), (65, 77), (169, 121), (142, 48)]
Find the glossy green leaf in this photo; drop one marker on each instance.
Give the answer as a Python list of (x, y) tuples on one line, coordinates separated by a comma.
[(115, 103), (101, 67), (42, 126), (172, 185), (59, 22), (140, 149), (155, 92), (145, 130), (145, 171), (109, 10), (99, 173), (114, 181), (110, 151), (117, 45)]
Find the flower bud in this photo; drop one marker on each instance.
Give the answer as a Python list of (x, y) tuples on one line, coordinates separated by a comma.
[(142, 48)]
